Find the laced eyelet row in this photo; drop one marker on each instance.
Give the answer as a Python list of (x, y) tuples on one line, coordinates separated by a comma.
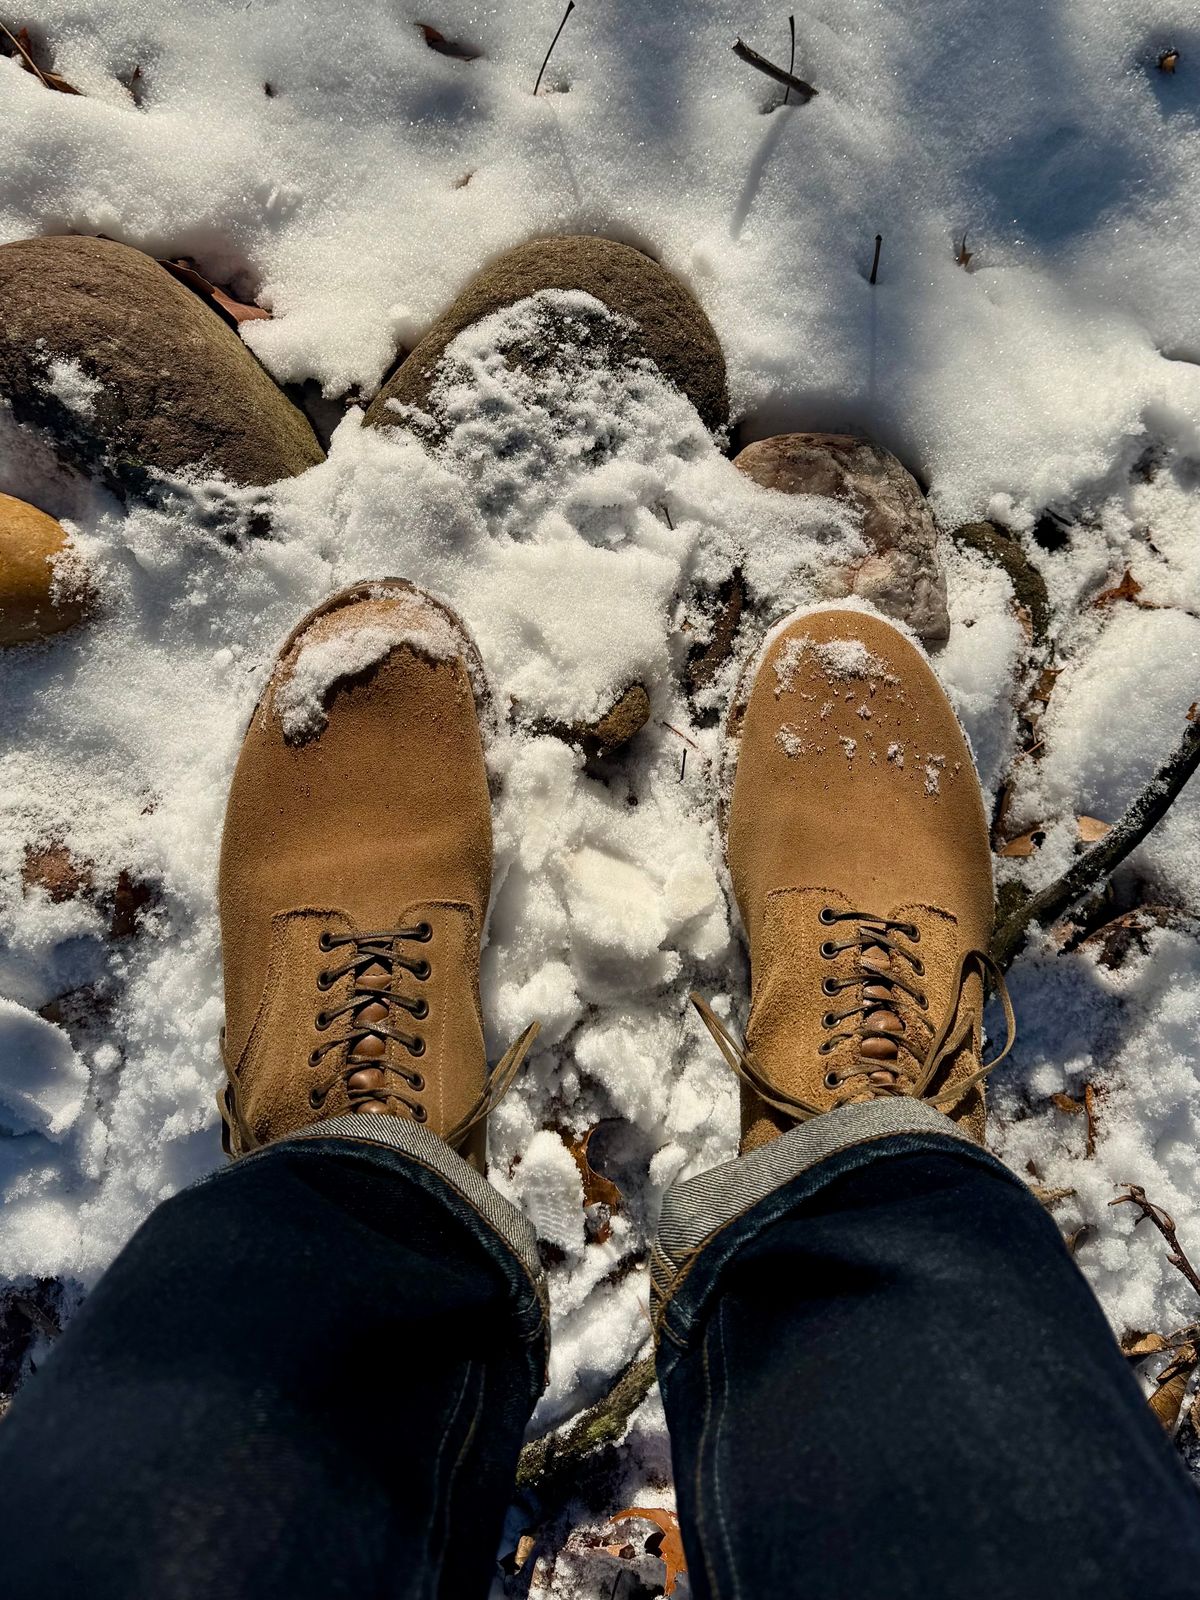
[(371, 949)]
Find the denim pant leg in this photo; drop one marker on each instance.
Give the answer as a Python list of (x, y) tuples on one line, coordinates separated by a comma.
[(306, 1376), (885, 1377)]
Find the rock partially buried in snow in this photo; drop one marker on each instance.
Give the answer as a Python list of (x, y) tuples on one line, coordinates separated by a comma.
[(42, 589), (901, 574), (42, 1081), (668, 324), (627, 716), (132, 373)]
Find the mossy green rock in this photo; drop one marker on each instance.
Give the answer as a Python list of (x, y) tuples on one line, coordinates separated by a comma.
[(157, 381), (669, 326)]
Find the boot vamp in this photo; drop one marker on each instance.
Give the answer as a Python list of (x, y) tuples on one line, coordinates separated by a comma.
[(381, 808), (853, 775)]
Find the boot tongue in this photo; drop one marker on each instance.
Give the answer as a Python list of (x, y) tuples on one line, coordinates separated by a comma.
[(877, 997), (376, 976)]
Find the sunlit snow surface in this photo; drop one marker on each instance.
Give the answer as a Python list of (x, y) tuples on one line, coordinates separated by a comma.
[(1050, 373)]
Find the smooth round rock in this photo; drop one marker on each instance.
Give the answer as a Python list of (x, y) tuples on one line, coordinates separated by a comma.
[(130, 372), (671, 329), (901, 574), (30, 542)]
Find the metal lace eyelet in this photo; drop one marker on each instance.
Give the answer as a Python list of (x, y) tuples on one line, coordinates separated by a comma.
[(315, 1099), (325, 942), (831, 1080), (419, 1009), (424, 932), (828, 1020), (314, 1058), (420, 1114), (914, 933), (829, 950), (918, 969), (417, 1047), (824, 1049), (422, 970), (416, 1083), (829, 986), (322, 1021), (323, 980), (826, 916), (923, 1002)]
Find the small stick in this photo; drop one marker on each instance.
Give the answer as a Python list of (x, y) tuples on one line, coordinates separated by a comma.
[(875, 263), (553, 42), (683, 764), (791, 59), (671, 728), (25, 56), (1165, 1225), (804, 91), (1097, 864)]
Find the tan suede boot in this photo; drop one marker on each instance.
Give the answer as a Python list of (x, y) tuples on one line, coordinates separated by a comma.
[(858, 848), (356, 867)]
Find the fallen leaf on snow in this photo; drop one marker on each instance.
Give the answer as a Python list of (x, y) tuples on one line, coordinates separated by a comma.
[(1091, 829), (668, 1540), (238, 310), (1171, 1385), (21, 46), (1138, 1343), (437, 40), (597, 1189)]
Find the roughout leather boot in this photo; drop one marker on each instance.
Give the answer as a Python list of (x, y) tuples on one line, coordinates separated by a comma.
[(858, 849), (356, 867)]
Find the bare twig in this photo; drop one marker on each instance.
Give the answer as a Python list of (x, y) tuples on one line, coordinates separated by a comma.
[(1165, 1224), (544, 1463), (553, 42), (1096, 865), (875, 263), (791, 58), (25, 56), (804, 91)]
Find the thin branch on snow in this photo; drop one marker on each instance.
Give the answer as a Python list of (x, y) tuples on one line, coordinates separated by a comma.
[(875, 262), (1165, 1224), (804, 91), (553, 42), (544, 1463), (1096, 865)]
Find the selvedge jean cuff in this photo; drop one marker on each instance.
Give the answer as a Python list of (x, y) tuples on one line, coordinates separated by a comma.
[(705, 1220), (507, 1235)]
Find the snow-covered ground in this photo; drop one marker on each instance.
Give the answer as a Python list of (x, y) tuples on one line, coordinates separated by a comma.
[(1056, 371)]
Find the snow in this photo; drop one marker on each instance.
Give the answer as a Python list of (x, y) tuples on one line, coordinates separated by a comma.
[(68, 382), (573, 523)]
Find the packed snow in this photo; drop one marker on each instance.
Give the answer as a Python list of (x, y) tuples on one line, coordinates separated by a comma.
[(1051, 383)]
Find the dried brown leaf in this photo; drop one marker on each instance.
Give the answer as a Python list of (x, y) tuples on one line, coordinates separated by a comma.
[(1168, 60), (669, 1540), (597, 1189), (236, 310), (1128, 589), (1172, 1384), (437, 40), (1073, 1108), (1138, 1343), (1024, 844), (1091, 829)]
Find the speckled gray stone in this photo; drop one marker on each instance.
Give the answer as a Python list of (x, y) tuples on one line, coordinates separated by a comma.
[(901, 574)]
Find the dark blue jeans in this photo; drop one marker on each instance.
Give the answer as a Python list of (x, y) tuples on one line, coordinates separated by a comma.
[(310, 1375)]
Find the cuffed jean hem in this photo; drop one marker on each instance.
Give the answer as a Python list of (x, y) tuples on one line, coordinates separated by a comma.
[(506, 1236), (706, 1219)]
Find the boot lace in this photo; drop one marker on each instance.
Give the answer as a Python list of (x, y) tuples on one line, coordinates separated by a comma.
[(371, 1012), (898, 1052)]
